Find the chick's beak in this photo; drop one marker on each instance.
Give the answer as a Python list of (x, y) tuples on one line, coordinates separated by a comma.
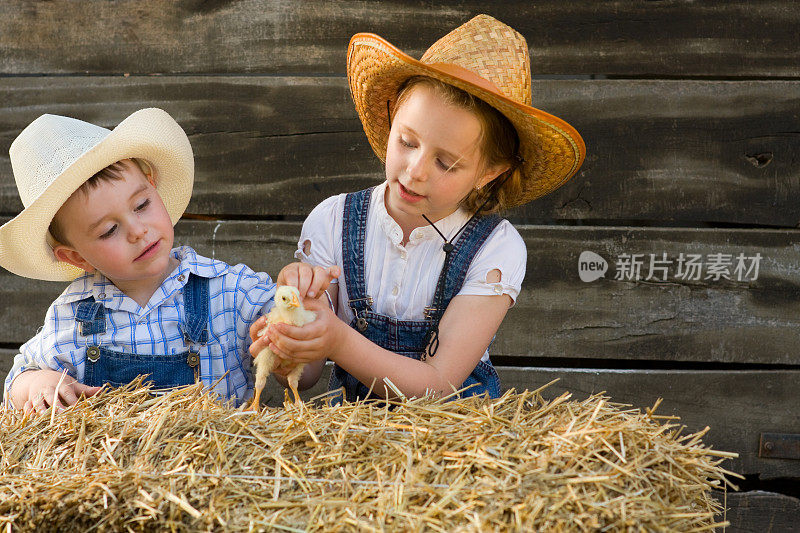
[(295, 302)]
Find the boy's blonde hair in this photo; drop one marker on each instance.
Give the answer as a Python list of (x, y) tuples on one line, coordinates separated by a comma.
[(499, 145), (112, 172)]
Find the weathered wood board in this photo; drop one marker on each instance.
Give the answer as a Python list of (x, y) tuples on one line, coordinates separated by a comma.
[(738, 405), (760, 512), (558, 315), (674, 320), (667, 152), (694, 151), (711, 38)]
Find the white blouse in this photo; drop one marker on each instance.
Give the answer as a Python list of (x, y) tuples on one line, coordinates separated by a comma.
[(402, 279)]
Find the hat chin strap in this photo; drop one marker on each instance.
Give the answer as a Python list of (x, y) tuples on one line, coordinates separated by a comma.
[(467, 75)]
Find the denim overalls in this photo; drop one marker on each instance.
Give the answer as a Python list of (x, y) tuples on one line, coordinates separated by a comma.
[(165, 371), (405, 337)]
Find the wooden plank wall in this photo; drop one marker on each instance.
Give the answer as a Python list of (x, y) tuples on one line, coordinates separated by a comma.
[(690, 115)]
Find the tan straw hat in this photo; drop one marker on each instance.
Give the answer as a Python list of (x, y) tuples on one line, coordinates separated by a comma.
[(55, 155), (487, 59)]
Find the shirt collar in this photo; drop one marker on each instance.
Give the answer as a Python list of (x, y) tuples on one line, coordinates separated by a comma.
[(103, 290), (448, 225), (196, 264)]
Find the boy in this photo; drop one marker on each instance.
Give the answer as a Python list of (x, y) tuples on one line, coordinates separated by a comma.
[(101, 205)]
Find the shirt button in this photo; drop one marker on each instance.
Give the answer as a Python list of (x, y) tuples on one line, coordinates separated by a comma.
[(403, 254), (498, 290), (101, 295), (395, 290), (181, 278)]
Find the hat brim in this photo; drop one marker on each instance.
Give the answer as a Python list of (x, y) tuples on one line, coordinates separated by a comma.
[(148, 134), (552, 150)]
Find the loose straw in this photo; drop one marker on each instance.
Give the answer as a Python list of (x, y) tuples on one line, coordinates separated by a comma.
[(125, 460)]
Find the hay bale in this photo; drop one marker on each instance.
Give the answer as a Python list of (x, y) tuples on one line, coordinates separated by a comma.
[(124, 460)]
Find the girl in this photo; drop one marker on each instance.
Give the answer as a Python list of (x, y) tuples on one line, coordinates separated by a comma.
[(428, 268)]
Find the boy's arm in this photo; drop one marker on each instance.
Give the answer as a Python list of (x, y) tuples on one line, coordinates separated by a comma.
[(32, 381), (21, 364)]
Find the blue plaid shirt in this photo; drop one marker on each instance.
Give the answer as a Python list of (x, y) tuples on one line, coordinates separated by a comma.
[(237, 297)]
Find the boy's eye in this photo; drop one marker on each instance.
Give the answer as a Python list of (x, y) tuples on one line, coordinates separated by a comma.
[(143, 205), (109, 233)]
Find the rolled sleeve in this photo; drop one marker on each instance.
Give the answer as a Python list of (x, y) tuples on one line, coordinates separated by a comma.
[(504, 251), (21, 364), (318, 238), (39, 352), (254, 295)]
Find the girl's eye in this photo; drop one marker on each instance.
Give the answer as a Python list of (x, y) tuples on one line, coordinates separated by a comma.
[(406, 143), (446, 166), (109, 233), (143, 205)]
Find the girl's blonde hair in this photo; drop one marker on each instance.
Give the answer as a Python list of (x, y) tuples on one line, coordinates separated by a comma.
[(499, 139)]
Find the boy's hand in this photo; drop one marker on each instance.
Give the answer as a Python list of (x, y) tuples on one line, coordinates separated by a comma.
[(35, 390), (259, 343), (310, 281)]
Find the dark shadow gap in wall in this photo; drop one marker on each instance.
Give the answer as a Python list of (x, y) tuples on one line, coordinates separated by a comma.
[(628, 364)]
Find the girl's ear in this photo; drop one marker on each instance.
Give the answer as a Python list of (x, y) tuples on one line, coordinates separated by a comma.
[(490, 174), (73, 257)]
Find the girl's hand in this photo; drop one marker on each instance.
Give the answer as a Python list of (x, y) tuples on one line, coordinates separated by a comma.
[(259, 343), (310, 281), (312, 342), (35, 390)]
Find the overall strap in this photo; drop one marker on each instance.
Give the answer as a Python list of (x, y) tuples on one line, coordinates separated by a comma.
[(454, 271), (354, 233), (195, 307), (91, 316), (451, 278)]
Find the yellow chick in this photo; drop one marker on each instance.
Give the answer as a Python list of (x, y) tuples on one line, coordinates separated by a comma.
[(288, 310)]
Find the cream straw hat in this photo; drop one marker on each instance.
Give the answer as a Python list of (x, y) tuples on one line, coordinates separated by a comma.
[(487, 59), (55, 155)]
